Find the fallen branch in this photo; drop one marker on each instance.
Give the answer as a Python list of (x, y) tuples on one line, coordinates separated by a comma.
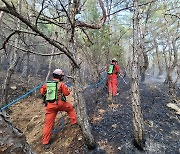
[(174, 107)]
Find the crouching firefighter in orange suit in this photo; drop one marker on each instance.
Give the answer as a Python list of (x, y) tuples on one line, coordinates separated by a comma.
[(113, 70), (53, 105)]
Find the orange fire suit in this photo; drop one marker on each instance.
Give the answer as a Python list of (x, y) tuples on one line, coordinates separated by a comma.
[(52, 109), (112, 80)]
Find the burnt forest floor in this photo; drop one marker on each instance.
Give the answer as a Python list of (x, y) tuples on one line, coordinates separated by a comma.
[(113, 127), (111, 122)]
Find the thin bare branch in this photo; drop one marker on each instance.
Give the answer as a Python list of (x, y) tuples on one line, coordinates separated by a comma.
[(129, 7), (36, 53), (173, 15), (42, 8), (87, 35), (11, 10), (49, 21), (66, 13), (7, 39), (94, 26)]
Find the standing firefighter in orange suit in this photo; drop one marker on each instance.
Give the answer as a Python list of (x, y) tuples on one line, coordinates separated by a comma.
[(113, 70), (55, 92)]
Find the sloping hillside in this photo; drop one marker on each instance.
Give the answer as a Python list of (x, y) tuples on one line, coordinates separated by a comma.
[(111, 123), (28, 115)]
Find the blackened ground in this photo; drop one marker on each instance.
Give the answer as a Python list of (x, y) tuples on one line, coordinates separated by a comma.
[(112, 122)]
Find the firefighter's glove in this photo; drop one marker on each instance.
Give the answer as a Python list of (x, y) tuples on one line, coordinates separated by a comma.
[(69, 86)]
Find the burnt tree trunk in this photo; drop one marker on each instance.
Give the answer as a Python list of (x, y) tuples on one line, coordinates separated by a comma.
[(5, 88), (135, 96), (13, 62), (145, 61), (171, 63), (144, 66), (172, 94), (81, 109), (80, 103)]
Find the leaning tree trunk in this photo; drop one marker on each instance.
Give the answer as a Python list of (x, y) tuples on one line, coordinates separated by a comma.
[(170, 66), (5, 87), (12, 140), (14, 59), (80, 104), (81, 109), (172, 95), (13, 62), (178, 73), (135, 96)]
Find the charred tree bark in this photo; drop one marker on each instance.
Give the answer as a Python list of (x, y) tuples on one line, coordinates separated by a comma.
[(13, 62), (135, 96), (144, 67), (81, 109), (145, 61), (12, 140), (5, 87), (171, 63), (172, 94), (178, 73), (80, 104)]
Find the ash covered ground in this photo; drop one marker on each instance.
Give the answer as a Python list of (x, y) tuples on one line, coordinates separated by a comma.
[(112, 122)]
